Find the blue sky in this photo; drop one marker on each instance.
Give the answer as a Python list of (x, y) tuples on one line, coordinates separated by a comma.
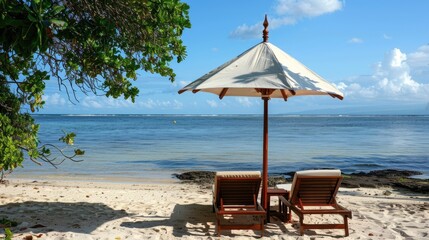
[(375, 52)]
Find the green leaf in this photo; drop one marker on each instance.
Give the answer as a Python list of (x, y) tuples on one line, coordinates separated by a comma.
[(57, 9), (8, 234), (32, 18), (58, 22), (68, 138), (79, 152), (39, 36)]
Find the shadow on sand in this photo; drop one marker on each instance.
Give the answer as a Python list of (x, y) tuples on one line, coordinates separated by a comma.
[(189, 219), (37, 215), (195, 220)]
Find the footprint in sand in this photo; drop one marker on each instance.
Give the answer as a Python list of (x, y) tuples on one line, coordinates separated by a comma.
[(403, 234)]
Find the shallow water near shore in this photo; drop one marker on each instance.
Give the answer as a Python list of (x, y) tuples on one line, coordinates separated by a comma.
[(152, 147)]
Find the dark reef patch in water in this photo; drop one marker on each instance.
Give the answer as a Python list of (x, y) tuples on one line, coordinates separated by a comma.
[(397, 179)]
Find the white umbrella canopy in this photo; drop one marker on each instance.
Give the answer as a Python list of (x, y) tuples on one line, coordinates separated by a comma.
[(263, 66), (263, 71)]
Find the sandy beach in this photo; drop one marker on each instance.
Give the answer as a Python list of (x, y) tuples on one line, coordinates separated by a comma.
[(94, 210)]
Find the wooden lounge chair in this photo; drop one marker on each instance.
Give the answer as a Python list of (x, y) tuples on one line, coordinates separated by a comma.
[(313, 192), (235, 198)]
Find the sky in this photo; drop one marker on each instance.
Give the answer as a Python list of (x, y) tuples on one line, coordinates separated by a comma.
[(375, 52)]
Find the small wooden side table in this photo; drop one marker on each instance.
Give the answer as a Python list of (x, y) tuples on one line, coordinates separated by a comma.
[(284, 212)]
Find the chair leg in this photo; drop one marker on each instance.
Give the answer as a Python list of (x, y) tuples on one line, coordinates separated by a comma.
[(346, 226), (218, 228), (287, 217), (301, 225)]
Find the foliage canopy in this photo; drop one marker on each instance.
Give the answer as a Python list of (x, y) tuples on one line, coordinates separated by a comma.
[(86, 45)]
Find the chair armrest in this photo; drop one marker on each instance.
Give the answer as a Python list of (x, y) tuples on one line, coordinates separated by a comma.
[(292, 207), (341, 208), (260, 208), (284, 201)]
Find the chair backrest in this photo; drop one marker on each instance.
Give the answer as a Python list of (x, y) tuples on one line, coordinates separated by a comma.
[(236, 188), (315, 187)]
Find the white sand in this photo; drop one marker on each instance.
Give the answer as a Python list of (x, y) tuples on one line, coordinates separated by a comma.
[(85, 210)]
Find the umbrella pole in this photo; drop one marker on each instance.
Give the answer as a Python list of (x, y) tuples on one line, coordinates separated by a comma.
[(265, 157)]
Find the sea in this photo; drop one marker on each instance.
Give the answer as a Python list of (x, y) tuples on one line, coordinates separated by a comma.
[(134, 148)]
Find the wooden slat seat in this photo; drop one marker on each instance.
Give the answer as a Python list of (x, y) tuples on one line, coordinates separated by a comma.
[(317, 188), (235, 194)]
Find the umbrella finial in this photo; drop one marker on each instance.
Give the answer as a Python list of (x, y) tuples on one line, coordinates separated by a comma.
[(265, 31)]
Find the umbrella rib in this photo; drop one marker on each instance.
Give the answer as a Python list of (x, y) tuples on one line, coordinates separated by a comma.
[(283, 94), (196, 90), (336, 96), (222, 94)]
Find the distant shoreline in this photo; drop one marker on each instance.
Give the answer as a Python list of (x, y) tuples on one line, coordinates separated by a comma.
[(226, 115)]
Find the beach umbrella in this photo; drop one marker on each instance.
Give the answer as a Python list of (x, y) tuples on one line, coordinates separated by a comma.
[(268, 72)]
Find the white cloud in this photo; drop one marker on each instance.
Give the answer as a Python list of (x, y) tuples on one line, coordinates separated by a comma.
[(147, 104), (393, 75), (278, 22), (387, 37), (117, 103), (355, 40), (99, 102), (183, 83), (420, 58), (177, 104), (307, 8), (245, 101), (392, 79), (246, 32), (289, 12), (54, 99), (212, 103), (91, 102), (166, 104)]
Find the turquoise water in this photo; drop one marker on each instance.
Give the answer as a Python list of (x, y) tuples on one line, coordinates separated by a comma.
[(154, 147)]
